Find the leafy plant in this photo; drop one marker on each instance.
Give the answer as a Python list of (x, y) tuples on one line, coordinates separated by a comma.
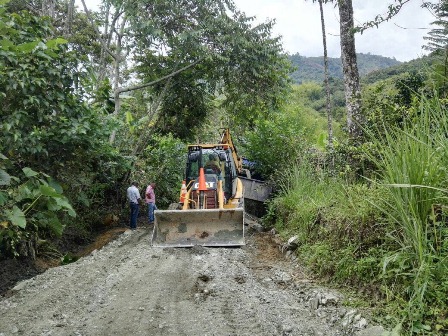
[(29, 209), (43, 114)]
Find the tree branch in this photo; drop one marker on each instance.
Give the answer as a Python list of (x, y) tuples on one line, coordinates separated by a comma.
[(142, 86), (392, 11), (98, 33)]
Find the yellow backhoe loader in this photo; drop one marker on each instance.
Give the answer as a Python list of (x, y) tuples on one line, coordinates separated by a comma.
[(211, 206)]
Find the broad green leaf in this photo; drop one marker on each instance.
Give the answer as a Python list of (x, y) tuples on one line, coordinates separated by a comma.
[(51, 53), (5, 178), (56, 186), (49, 191), (16, 216), (57, 227), (52, 205), (71, 212), (55, 42), (3, 198), (27, 47), (63, 202), (24, 192), (129, 117), (51, 221), (29, 172), (3, 157), (130, 121), (5, 44)]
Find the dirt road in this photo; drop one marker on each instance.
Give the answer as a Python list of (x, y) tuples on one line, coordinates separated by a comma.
[(129, 288)]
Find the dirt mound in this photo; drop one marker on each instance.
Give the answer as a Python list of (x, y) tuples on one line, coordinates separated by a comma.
[(15, 270)]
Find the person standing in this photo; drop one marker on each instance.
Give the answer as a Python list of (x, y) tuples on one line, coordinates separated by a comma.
[(134, 200), (150, 199)]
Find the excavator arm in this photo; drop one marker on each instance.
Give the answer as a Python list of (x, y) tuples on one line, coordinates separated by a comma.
[(227, 139)]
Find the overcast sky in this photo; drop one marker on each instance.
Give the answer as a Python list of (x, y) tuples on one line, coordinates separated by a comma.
[(298, 22)]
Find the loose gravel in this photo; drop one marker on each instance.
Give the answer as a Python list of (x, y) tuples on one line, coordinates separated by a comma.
[(130, 288)]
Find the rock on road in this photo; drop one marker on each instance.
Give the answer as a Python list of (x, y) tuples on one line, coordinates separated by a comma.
[(130, 288)]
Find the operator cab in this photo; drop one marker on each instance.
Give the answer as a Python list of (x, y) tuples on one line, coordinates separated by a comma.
[(218, 165)]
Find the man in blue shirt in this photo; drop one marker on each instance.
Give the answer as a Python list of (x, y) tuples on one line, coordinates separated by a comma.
[(134, 200)]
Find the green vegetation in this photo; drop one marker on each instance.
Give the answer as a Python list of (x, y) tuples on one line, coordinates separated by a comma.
[(48, 131), (84, 113), (377, 223), (419, 65), (388, 234), (412, 168), (31, 205)]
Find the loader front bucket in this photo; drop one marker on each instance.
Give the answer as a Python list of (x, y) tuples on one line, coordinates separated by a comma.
[(206, 227)]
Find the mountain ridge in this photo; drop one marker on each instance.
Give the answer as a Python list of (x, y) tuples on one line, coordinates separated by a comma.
[(311, 69)]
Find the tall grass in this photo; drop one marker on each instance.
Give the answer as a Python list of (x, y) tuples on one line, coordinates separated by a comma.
[(390, 236), (412, 167), (304, 193), (332, 220)]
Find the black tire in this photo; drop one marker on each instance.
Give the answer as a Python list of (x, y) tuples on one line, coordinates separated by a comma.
[(174, 206)]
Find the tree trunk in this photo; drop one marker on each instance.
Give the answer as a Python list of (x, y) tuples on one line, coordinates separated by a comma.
[(118, 59), (116, 29), (350, 69), (106, 37), (69, 20), (48, 8), (327, 85)]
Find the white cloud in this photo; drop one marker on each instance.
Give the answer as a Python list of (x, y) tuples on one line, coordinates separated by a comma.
[(298, 21)]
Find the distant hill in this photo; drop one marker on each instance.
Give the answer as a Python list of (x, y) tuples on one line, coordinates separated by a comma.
[(312, 68), (419, 65)]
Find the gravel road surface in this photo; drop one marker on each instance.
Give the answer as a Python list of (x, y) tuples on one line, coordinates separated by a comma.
[(130, 288)]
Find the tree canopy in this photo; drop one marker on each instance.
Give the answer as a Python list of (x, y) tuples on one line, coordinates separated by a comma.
[(141, 73), (221, 53)]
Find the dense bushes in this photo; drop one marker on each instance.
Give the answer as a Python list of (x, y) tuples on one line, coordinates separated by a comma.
[(279, 142), (386, 235), (162, 162), (48, 133)]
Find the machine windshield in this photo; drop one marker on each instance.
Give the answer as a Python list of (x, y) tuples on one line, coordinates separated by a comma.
[(210, 161)]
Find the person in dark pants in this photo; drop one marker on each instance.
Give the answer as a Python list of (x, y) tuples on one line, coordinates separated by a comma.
[(150, 199), (134, 200)]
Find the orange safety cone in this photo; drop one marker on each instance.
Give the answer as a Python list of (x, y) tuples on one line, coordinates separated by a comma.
[(183, 192), (202, 183), (202, 187)]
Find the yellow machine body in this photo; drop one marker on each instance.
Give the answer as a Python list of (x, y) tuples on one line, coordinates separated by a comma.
[(211, 211)]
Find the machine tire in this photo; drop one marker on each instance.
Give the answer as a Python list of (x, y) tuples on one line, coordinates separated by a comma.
[(174, 206)]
